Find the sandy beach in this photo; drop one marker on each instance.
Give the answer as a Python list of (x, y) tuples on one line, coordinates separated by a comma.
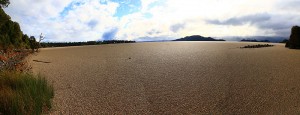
[(172, 78)]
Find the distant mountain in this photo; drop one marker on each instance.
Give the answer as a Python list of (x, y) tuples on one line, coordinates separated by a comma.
[(275, 39), (198, 38)]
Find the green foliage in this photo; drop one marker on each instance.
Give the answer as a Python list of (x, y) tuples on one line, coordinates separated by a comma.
[(25, 41), (4, 3), (23, 93), (32, 43), (3, 17), (11, 36), (5, 42), (20, 93)]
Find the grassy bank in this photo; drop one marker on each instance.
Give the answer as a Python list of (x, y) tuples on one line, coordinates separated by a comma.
[(23, 93)]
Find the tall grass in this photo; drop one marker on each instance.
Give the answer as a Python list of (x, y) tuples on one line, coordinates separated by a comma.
[(24, 94)]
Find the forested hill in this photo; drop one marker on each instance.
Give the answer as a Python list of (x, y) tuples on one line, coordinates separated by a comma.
[(198, 38)]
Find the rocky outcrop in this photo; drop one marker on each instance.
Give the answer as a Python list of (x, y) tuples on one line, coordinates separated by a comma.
[(294, 41), (258, 46)]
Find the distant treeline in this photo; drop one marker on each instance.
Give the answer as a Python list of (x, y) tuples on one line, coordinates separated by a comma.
[(65, 44), (11, 36), (254, 40), (284, 41)]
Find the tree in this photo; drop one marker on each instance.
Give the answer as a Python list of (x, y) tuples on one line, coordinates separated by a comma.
[(5, 43), (32, 43), (12, 29), (16, 35), (26, 42), (3, 17), (11, 36), (42, 37), (4, 3)]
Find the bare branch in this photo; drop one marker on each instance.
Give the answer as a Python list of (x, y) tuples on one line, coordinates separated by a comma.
[(42, 37)]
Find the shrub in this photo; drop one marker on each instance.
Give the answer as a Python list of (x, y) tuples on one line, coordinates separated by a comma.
[(24, 93), (294, 41)]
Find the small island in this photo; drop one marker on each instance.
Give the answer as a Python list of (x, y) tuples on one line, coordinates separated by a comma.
[(198, 38)]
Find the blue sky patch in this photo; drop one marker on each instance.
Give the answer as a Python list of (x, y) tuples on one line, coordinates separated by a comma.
[(127, 7), (103, 2), (70, 7), (156, 3)]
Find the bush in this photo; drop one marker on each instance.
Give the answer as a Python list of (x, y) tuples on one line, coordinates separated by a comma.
[(24, 93), (294, 41)]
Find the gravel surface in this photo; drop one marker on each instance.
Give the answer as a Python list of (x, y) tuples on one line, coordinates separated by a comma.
[(172, 78)]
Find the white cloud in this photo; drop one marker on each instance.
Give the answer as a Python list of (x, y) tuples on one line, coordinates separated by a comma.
[(92, 20), (75, 26)]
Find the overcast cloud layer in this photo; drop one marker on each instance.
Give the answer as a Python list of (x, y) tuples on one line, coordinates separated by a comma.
[(84, 20)]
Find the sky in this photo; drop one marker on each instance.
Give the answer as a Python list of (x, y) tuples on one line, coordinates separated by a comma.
[(151, 20)]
